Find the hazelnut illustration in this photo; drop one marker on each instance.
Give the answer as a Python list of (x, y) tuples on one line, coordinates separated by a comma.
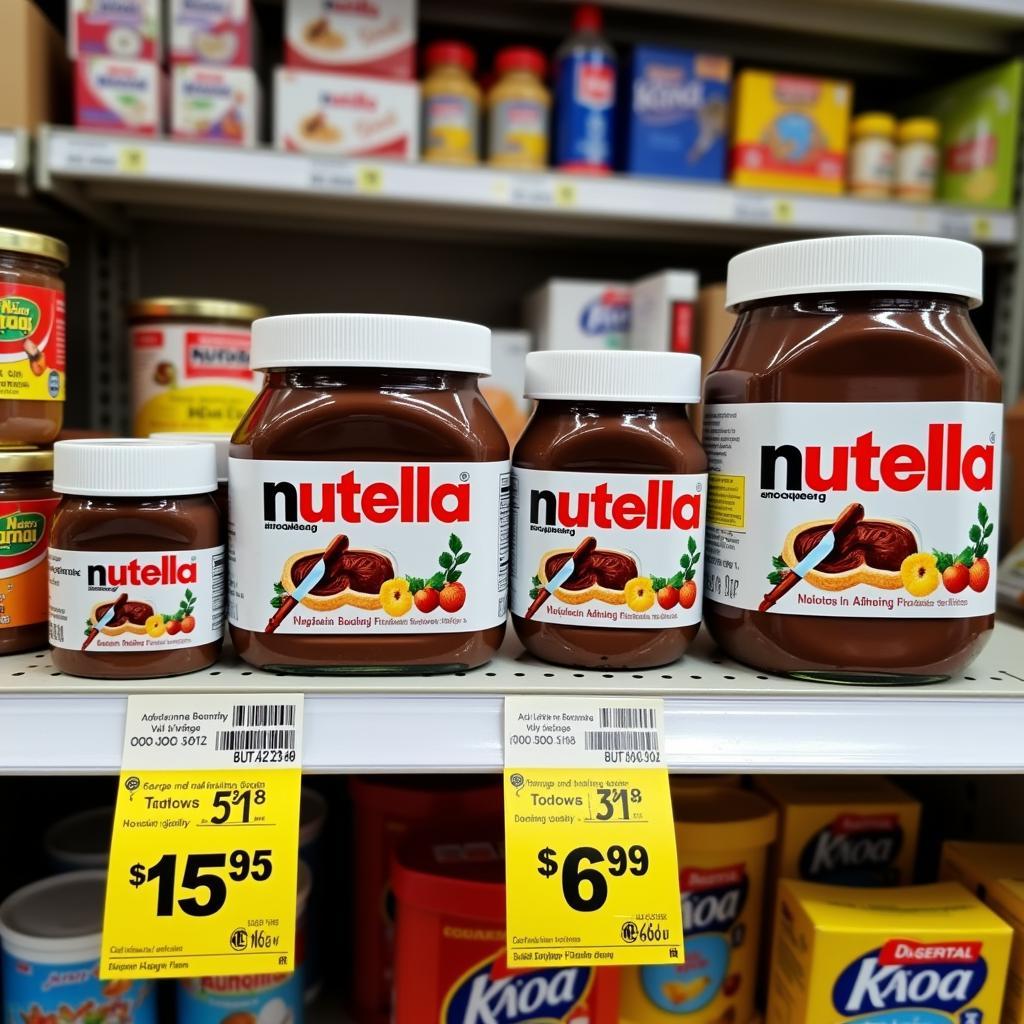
[(667, 597), (453, 597), (979, 574), (956, 577), (687, 594), (427, 599)]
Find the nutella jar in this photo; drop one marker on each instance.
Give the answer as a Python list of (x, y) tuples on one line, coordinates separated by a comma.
[(136, 560), (853, 427), (190, 364), (32, 345), (27, 504), (369, 498), (608, 496)]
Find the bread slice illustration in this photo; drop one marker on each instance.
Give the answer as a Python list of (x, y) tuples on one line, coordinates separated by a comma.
[(602, 576), (872, 553), (135, 615), (354, 580)]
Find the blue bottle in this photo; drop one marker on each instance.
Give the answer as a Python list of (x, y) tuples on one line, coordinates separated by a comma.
[(585, 96)]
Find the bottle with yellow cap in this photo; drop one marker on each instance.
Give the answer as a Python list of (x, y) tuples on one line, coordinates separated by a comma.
[(917, 163), (722, 836), (873, 155)]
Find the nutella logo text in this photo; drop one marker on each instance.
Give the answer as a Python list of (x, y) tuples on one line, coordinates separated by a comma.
[(659, 509), (944, 463), (168, 571), (416, 499)]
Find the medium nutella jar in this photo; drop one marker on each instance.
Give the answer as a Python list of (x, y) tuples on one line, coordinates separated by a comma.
[(32, 344), (369, 498), (853, 428), (136, 560), (27, 504), (609, 485)]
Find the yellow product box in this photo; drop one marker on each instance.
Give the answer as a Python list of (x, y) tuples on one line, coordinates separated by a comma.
[(790, 132), (1006, 898), (722, 838), (978, 865), (926, 954)]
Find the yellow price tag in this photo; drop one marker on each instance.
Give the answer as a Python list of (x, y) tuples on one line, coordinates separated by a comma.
[(565, 194), (370, 179), (783, 211), (591, 869), (204, 856), (131, 160), (982, 228)]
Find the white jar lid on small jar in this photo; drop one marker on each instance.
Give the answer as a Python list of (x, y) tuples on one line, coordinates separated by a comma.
[(134, 468), (597, 376)]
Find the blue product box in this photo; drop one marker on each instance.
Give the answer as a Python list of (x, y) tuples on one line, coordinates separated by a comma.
[(675, 114)]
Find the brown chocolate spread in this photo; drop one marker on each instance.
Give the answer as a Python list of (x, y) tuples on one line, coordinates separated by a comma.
[(609, 569), (135, 612), (864, 348), (877, 544), (362, 571)]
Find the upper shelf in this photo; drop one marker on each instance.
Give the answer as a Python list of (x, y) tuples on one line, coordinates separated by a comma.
[(720, 716), (14, 162), (101, 173)]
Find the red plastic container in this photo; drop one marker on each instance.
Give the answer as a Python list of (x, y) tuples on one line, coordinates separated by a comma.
[(385, 810), (450, 949)]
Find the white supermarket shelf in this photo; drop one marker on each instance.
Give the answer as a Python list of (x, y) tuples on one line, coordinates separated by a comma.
[(14, 162), (720, 716), (103, 174)]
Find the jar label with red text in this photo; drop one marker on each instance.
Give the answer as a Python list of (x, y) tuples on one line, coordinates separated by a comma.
[(636, 543), (24, 536), (854, 509), (31, 342), (368, 547), (136, 600)]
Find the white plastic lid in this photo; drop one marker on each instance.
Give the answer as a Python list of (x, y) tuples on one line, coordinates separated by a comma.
[(222, 442), (856, 263), (57, 920), (81, 840), (129, 468), (613, 376), (370, 340)]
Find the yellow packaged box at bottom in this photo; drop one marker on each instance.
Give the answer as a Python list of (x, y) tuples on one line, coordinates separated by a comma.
[(722, 837), (978, 865), (926, 954)]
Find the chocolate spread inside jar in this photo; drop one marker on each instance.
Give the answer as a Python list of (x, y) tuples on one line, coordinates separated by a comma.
[(609, 476), (370, 462), (871, 391), (136, 559)]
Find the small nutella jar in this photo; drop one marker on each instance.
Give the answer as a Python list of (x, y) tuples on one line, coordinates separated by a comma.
[(136, 559), (369, 498), (27, 504), (853, 425), (608, 504)]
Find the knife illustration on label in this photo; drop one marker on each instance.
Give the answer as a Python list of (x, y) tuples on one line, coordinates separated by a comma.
[(108, 616), (585, 547), (334, 551), (848, 519)]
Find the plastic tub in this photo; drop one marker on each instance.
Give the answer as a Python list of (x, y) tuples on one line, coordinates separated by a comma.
[(80, 841)]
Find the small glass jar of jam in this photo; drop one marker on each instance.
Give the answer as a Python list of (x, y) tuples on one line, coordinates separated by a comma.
[(32, 343), (27, 504), (853, 425), (136, 559), (609, 485)]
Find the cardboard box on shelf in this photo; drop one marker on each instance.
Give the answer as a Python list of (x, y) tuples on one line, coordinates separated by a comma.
[(219, 32), (790, 132), (34, 73), (977, 865), (345, 115), (570, 313), (114, 95), (674, 114), (128, 29), (504, 388), (663, 312), (210, 104), (376, 38)]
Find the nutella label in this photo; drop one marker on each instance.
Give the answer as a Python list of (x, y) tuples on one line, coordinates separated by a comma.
[(136, 600), (635, 541), (368, 547), (854, 509)]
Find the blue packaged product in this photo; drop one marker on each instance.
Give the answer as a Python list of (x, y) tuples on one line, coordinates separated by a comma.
[(675, 114), (585, 69), (50, 932)]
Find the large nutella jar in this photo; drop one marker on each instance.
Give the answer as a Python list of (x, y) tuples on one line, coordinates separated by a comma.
[(609, 485), (32, 343), (369, 498), (136, 559), (853, 428)]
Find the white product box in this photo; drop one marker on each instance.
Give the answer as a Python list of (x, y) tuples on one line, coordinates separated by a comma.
[(218, 32), (129, 29), (114, 95), (367, 37), (345, 115), (211, 104), (504, 388), (663, 307), (567, 313)]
